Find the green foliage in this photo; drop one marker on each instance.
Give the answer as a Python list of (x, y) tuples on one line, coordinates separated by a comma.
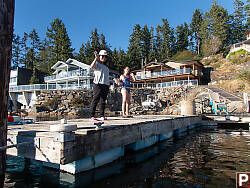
[(34, 79), (134, 49), (167, 45), (238, 28), (44, 63), (207, 62), (247, 12), (238, 57), (51, 103), (77, 102), (216, 66), (16, 52), (215, 59), (211, 46), (195, 30), (209, 33), (244, 75), (96, 43), (184, 55), (182, 37), (120, 59), (215, 26), (59, 42), (239, 52)]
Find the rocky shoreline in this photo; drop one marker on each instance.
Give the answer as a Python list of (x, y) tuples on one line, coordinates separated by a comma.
[(76, 103)]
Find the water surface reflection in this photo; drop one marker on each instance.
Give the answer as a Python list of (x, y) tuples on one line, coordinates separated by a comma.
[(204, 157)]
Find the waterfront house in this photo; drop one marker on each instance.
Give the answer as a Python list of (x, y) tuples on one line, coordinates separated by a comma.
[(21, 93), (73, 74), (242, 45), (169, 73), (22, 76), (69, 75)]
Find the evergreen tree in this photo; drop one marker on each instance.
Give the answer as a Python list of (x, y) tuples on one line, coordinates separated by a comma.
[(44, 63), (103, 43), (165, 50), (195, 29), (145, 43), (134, 49), (16, 52), (34, 79), (34, 41), (182, 34), (152, 53), (81, 54), (247, 13), (216, 25), (59, 42), (32, 47), (24, 48), (238, 28), (158, 42), (95, 41), (119, 58)]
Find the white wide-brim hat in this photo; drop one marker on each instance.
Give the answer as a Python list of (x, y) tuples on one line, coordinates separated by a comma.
[(103, 52)]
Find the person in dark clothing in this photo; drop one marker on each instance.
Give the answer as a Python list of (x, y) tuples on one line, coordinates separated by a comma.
[(101, 84)]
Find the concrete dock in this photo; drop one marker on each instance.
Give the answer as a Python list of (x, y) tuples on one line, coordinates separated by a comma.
[(89, 146)]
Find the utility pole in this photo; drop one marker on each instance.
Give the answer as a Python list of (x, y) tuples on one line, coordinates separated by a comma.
[(7, 8)]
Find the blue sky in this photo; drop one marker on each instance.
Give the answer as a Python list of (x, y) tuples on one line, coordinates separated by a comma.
[(114, 18)]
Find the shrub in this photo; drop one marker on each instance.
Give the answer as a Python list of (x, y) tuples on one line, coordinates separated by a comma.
[(215, 59), (184, 55), (77, 102), (211, 46), (239, 53), (216, 66), (52, 103), (244, 75)]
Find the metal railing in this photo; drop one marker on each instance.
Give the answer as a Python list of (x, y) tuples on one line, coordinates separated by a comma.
[(69, 74), (166, 84), (37, 87), (164, 73)]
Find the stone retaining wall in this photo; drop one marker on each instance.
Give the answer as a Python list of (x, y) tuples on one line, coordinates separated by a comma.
[(76, 103)]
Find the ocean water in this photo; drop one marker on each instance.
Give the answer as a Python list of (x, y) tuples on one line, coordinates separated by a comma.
[(202, 157)]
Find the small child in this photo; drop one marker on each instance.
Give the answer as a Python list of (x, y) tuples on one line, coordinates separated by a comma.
[(124, 81)]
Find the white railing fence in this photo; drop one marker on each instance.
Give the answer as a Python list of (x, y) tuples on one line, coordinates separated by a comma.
[(166, 84), (164, 73), (35, 87), (69, 74)]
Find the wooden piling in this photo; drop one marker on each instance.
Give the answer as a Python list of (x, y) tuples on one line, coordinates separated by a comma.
[(6, 36)]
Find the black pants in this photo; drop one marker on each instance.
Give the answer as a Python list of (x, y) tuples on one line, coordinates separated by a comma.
[(100, 94)]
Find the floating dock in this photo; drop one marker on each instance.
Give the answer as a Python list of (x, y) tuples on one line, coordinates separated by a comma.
[(81, 145)]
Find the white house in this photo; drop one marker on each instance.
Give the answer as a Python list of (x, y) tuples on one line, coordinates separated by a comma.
[(71, 74), (242, 45)]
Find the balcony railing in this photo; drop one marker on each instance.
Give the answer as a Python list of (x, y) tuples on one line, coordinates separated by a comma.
[(164, 73), (38, 87), (69, 74), (166, 84)]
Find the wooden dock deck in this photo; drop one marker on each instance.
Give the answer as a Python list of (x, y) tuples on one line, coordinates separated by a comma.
[(89, 147)]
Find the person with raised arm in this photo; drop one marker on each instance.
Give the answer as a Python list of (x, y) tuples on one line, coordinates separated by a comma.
[(101, 84)]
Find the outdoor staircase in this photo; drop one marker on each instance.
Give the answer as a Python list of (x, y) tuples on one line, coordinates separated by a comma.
[(224, 93)]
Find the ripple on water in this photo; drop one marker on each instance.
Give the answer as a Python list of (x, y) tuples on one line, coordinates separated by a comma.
[(205, 158)]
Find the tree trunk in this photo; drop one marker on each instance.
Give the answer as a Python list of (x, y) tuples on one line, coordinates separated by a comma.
[(6, 35)]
